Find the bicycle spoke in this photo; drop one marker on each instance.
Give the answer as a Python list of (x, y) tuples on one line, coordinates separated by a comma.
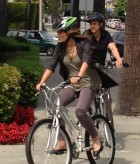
[(106, 135), (41, 143)]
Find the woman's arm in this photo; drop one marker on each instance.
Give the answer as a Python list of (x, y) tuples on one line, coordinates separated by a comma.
[(83, 70), (47, 74), (85, 53), (116, 54), (50, 68)]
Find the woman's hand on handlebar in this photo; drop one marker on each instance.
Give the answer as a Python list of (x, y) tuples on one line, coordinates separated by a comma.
[(38, 87), (75, 79)]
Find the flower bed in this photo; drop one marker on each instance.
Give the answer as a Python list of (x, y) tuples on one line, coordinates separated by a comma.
[(16, 131)]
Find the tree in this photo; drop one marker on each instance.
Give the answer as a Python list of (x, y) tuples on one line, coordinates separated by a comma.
[(53, 7), (27, 26), (129, 90), (120, 9), (3, 17)]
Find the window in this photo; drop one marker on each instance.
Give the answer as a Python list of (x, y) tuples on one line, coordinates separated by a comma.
[(35, 35)]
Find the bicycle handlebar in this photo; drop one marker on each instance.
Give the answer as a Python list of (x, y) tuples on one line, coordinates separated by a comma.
[(60, 85), (109, 64), (112, 64), (67, 82)]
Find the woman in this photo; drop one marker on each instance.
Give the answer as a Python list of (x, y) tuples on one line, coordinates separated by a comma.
[(74, 53), (101, 40)]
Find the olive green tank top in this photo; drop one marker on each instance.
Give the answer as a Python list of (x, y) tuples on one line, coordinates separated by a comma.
[(90, 80)]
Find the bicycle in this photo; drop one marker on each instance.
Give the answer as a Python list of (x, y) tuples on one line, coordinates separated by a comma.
[(43, 136), (103, 100)]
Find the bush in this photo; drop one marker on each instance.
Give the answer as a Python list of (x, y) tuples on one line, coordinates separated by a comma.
[(9, 91), (29, 81), (28, 64), (17, 15), (11, 45)]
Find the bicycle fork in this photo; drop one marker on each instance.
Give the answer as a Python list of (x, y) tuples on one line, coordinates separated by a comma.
[(55, 125)]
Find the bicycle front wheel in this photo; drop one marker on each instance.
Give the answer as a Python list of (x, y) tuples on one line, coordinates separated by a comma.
[(106, 135), (40, 142)]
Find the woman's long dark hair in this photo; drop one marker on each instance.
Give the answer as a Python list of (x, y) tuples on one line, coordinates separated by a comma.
[(75, 32)]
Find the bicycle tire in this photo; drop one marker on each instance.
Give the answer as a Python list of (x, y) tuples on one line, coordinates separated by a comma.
[(40, 141), (106, 136)]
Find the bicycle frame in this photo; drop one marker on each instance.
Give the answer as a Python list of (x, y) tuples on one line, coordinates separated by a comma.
[(49, 132), (62, 112), (99, 98)]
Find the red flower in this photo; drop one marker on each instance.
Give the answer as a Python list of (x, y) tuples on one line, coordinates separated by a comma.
[(17, 130)]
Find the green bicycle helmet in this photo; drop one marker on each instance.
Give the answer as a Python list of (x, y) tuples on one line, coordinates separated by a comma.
[(66, 24), (95, 16)]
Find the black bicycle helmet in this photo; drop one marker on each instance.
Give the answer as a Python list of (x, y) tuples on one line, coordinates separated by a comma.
[(66, 24), (95, 16)]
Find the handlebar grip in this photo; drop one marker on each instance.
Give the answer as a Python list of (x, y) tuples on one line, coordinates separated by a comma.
[(67, 82), (43, 86), (37, 93), (125, 64)]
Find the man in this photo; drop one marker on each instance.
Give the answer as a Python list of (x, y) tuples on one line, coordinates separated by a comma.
[(101, 39)]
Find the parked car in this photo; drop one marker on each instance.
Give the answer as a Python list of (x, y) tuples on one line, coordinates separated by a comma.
[(117, 25), (21, 33), (108, 22), (111, 22), (122, 26), (43, 39), (12, 33), (118, 38)]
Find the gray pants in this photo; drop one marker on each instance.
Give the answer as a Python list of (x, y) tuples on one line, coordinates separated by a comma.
[(86, 95)]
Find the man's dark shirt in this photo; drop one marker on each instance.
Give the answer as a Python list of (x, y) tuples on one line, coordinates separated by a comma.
[(100, 46)]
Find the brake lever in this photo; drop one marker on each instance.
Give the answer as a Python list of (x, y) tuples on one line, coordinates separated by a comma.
[(125, 64)]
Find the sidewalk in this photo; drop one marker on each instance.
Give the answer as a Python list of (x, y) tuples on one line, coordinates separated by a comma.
[(127, 143)]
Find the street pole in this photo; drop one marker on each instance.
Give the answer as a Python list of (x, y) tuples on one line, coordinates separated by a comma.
[(85, 12), (28, 14), (40, 15), (75, 9)]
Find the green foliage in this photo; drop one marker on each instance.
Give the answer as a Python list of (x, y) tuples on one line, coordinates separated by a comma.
[(54, 7), (11, 45), (29, 81), (27, 62), (34, 16), (120, 9), (17, 15), (9, 91)]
